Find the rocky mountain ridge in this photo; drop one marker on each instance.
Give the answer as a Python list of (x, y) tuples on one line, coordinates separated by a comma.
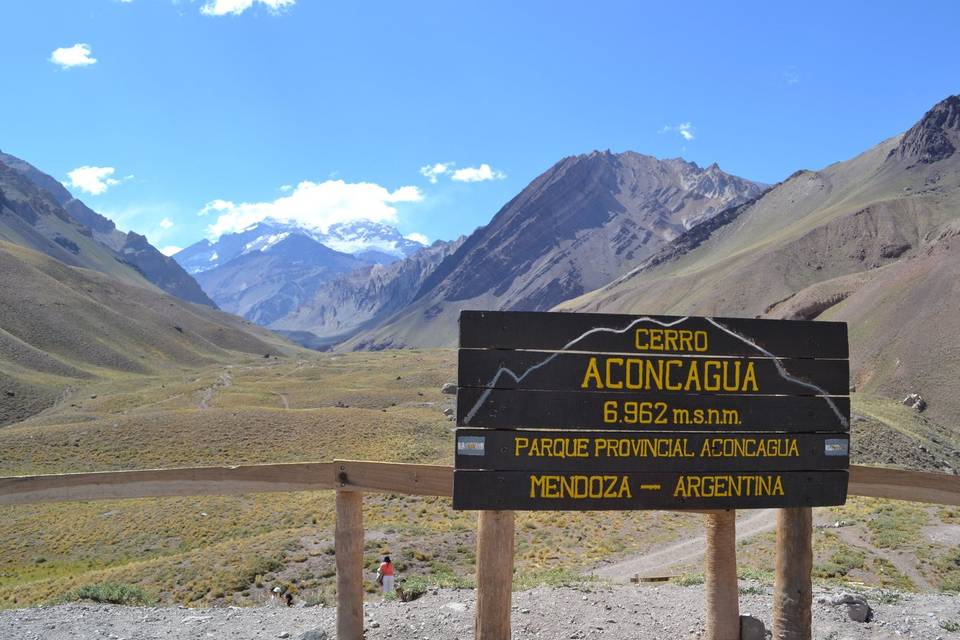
[(71, 217), (576, 227)]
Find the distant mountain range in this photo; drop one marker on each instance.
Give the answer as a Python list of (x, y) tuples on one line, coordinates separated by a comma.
[(36, 211), (272, 269), (368, 241)]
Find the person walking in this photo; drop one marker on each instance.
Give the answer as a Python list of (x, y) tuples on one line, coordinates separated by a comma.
[(385, 575)]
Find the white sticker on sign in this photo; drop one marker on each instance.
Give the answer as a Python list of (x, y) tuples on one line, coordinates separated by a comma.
[(470, 445)]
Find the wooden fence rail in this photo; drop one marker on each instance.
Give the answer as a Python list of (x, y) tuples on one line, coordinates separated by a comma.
[(371, 477), (495, 533)]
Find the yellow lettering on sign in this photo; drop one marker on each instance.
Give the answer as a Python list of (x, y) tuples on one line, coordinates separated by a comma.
[(580, 487), (670, 340), (640, 374), (727, 486), (592, 373)]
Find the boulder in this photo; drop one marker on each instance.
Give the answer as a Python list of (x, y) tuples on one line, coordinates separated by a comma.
[(857, 608), (859, 612), (752, 628), (914, 401)]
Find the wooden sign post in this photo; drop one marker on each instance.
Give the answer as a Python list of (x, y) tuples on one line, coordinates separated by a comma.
[(607, 412)]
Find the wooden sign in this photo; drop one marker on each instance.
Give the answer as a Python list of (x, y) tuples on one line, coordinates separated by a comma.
[(565, 490), (570, 400), (608, 451), (613, 410), (607, 333)]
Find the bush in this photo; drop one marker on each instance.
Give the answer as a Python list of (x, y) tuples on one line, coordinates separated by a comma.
[(112, 593), (413, 587)]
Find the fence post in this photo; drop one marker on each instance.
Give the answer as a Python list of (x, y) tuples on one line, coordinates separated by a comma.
[(723, 605), (348, 544), (495, 541), (793, 585)]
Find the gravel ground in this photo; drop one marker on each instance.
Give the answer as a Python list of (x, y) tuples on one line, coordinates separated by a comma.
[(666, 612)]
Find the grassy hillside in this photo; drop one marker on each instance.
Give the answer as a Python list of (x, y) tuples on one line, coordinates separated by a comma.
[(62, 325), (382, 406)]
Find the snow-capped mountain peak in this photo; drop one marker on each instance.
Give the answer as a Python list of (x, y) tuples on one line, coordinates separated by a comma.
[(367, 240)]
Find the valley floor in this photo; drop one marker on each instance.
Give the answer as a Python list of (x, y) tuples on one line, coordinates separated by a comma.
[(666, 612)]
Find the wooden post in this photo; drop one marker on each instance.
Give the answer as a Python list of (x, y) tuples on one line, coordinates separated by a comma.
[(348, 544), (494, 574), (793, 585), (723, 605)]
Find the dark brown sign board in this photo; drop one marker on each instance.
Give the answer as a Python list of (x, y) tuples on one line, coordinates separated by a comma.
[(559, 371), (608, 333), (565, 490), (593, 452), (500, 408), (596, 411)]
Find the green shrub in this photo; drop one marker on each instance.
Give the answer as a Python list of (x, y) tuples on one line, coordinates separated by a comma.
[(688, 579), (413, 587), (112, 593)]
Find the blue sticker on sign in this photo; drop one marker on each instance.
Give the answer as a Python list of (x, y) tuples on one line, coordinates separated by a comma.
[(470, 445), (836, 447)]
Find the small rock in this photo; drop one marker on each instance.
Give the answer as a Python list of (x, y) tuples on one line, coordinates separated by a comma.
[(374, 624), (915, 401), (285, 634), (449, 388), (752, 629), (524, 610), (314, 634), (448, 411), (859, 612)]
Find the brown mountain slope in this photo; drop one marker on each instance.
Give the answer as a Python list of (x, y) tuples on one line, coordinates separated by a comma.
[(870, 241), (59, 324), (129, 249), (582, 223)]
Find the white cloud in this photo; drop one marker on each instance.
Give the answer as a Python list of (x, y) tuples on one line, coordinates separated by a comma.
[(166, 223), (236, 7), (170, 250), (314, 206), (477, 174), (286, 188), (685, 129), (94, 180), (791, 76), (76, 56), (418, 237), (433, 171)]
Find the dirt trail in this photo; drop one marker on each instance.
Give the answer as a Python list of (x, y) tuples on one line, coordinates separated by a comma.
[(907, 565), (206, 395), (657, 562)]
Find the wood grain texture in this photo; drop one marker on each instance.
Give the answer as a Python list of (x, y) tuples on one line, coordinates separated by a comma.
[(348, 545), (109, 485), (393, 477), (793, 585), (897, 484), (495, 546), (723, 604)]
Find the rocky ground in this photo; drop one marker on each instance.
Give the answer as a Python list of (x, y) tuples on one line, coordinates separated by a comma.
[(665, 612)]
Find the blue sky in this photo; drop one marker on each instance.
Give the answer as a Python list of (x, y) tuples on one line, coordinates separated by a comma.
[(235, 109)]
